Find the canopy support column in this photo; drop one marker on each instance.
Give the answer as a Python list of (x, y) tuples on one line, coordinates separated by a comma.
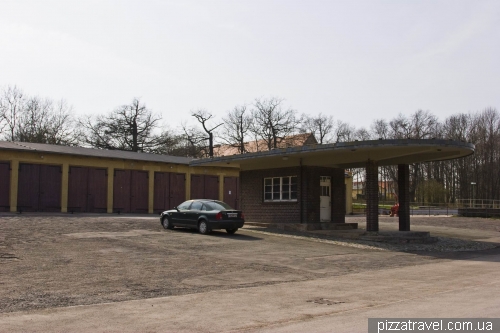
[(371, 196), (404, 196)]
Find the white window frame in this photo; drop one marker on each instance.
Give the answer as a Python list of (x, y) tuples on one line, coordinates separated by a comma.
[(280, 199)]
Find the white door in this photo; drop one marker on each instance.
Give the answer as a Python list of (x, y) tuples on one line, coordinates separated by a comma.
[(325, 202)]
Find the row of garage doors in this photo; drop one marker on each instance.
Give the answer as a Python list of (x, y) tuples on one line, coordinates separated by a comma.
[(39, 189)]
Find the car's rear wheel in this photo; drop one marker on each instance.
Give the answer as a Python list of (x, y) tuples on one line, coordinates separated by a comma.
[(166, 223), (231, 231), (203, 227)]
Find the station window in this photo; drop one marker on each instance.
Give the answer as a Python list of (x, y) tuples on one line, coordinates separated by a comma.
[(280, 188)]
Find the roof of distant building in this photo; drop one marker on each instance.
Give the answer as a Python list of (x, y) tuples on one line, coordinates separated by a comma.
[(261, 145)]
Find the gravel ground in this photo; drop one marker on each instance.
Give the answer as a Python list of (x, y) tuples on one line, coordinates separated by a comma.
[(485, 224), (63, 260), (444, 244)]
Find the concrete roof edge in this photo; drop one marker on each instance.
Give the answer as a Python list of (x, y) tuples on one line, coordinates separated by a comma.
[(334, 146), (93, 152)]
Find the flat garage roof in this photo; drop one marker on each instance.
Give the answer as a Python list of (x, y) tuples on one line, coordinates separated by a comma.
[(346, 154)]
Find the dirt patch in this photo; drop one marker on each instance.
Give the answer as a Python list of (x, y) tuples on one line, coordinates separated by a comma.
[(52, 261)]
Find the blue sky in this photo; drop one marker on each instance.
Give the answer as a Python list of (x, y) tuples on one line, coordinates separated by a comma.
[(355, 60)]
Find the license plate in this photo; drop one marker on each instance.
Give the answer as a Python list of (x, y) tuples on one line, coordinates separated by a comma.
[(232, 214)]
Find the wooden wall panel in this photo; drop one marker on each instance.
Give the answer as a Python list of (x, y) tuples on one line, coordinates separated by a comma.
[(97, 190), (211, 187), (139, 193), (161, 200), (177, 189), (28, 191), (87, 190), (39, 188), (197, 187), (77, 189), (50, 188), (121, 191)]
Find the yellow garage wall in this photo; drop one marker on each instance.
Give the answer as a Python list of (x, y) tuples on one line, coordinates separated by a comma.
[(16, 157)]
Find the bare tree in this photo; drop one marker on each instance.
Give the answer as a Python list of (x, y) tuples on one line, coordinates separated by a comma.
[(362, 134), (272, 122), (321, 126), (203, 117), (424, 124), (195, 142), (173, 142), (400, 127), (33, 123), (129, 127), (11, 106), (420, 125), (33, 119), (380, 129), (486, 161), (62, 125), (344, 132), (237, 125)]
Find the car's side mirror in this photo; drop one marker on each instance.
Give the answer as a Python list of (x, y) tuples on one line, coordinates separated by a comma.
[(177, 208)]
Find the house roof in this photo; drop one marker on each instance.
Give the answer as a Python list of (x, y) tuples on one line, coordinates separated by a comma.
[(261, 145), (346, 154), (103, 153)]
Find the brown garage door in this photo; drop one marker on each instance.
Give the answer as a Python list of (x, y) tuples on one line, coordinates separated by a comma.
[(211, 187), (39, 187), (87, 190), (177, 189), (139, 193), (98, 190), (204, 187), (169, 191), (231, 191), (130, 191), (197, 187), (50, 188), (4, 186), (161, 200)]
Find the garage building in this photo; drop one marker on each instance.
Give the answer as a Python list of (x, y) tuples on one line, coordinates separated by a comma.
[(50, 178)]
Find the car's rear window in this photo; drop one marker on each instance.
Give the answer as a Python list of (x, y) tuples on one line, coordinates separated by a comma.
[(218, 205)]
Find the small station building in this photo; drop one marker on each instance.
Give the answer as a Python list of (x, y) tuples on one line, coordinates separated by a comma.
[(306, 184)]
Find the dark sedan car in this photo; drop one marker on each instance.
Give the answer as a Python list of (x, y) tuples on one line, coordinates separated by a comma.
[(204, 215)]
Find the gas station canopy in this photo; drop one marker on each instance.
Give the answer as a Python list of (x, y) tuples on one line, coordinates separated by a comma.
[(346, 154)]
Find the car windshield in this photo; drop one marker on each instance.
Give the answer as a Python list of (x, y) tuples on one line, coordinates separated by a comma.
[(218, 205)]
